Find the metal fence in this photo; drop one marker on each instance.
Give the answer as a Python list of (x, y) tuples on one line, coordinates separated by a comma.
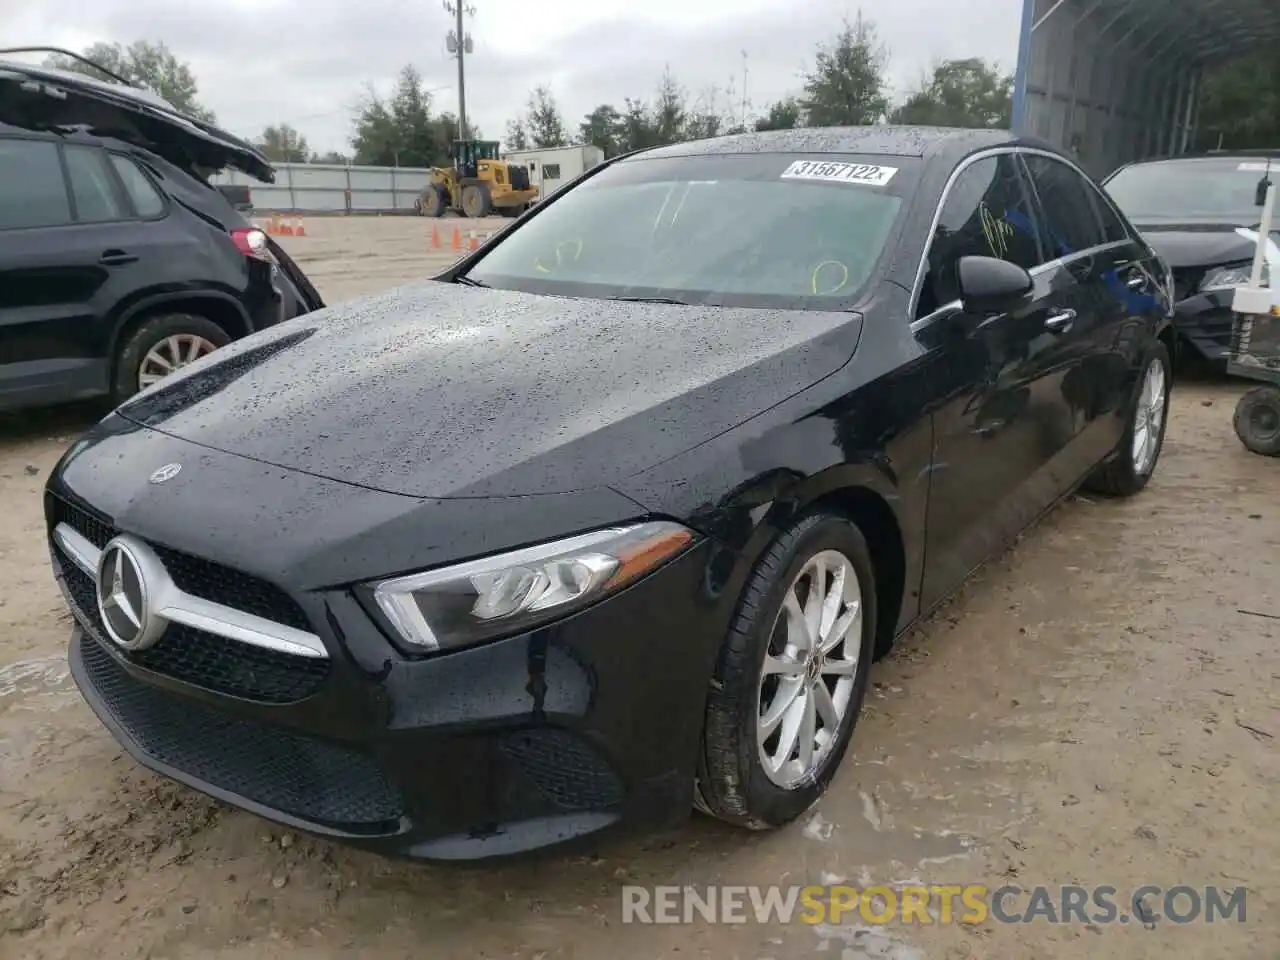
[(329, 188)]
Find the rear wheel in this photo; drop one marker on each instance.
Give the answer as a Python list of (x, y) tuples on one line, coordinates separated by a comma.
[(1129, 471), (476, 202), (791, 677), (431, 203), (1257, 420), (164, 343)]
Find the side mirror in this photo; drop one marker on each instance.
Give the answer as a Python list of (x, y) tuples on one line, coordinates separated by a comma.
[(989, 285)]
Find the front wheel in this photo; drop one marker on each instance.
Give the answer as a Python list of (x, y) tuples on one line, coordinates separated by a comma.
[(1257, 421), (476, 201), (1129, 471), (791, 676)]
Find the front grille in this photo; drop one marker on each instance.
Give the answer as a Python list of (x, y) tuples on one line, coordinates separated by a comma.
[(197, 576), (1186, 282), (564, 769), (279, 769), (194, 656)]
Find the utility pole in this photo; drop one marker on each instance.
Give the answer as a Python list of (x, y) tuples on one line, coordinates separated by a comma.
[(459, 44)]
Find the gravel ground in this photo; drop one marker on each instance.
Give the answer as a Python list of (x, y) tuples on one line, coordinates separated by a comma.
[(1096, 707)]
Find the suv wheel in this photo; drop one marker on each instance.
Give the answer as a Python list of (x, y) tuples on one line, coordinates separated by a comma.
[(1139, 451), (791, 677), (164, 343)]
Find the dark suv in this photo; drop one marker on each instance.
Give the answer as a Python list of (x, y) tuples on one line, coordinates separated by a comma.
[(119, 263)]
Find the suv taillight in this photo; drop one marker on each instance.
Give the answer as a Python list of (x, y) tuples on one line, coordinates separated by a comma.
[(252, 242)]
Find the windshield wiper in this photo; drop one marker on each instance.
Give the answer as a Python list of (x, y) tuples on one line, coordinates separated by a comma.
[(682, 303), (467, 281)]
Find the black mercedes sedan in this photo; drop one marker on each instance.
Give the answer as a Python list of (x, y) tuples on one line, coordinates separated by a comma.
[(1201, 213), (609, 520)]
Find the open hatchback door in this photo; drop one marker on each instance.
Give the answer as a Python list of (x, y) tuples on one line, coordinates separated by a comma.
[(38, 97)]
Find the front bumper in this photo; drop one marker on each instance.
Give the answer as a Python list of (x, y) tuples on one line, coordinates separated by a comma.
[(503, 749), (1204, 321), (586, 726)]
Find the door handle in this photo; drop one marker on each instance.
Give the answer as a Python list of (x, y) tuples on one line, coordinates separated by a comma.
[(1060, 322), (1137, 282), (114, 258)]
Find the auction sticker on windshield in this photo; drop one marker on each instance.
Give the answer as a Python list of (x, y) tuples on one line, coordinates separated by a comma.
[(835, 172)]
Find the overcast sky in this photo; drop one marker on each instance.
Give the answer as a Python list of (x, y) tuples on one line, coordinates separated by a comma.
[(306, 61)]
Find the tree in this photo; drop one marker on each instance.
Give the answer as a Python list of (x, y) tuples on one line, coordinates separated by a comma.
[(847, 86), (786, 114), (283, 144), (401, 132), (331, 157), (603, 127), (1241, 105), (146, 64), (670, 114), (961, 93), (543, 122), (517, 136)]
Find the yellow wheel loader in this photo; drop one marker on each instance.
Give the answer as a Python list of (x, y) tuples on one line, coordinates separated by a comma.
[(477, 184)]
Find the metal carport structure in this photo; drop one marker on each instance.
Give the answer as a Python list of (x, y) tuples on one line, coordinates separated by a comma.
[(1120, 80)]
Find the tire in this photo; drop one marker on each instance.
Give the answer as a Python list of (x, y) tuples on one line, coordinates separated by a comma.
[(476, 201), (431, 203), (1257, 421), (733, 783), (1122, 476), (154, 331)]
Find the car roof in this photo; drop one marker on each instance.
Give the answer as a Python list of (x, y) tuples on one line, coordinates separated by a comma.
[(875, 140)]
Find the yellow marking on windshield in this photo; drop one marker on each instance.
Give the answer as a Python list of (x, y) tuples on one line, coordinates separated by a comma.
[(817, 272)]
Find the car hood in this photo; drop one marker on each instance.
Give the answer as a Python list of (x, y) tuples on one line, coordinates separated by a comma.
[(43, 98), (440, 390), (1184, 245)]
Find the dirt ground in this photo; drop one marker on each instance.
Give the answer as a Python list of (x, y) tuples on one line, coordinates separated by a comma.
[(1099, 706)]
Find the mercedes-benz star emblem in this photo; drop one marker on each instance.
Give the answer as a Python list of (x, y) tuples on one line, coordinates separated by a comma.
[(167, 472), (124, 600)]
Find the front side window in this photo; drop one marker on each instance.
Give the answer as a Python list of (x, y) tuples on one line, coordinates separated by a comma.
[(986, 213), (769, 230), (1213, 189), (32, 191), (1070, 221)]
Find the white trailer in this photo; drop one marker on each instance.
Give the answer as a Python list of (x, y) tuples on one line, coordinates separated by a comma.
[(550, 168)]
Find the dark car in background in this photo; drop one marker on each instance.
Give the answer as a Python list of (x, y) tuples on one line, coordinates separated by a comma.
[(1201, 215), (610, 519), (119, 263)]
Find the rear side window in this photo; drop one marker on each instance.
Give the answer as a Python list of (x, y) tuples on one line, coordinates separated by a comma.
[(1070, 224), (91, 185), (146, 199), (32, 191)]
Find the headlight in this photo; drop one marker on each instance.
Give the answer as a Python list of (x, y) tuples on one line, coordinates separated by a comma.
[(482, 599), (1233, 275)]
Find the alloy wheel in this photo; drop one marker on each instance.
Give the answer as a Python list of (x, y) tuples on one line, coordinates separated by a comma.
[(170, 354), (1149, 418), (810, 665)]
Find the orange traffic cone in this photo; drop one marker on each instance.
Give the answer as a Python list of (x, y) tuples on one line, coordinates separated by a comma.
[(299, 229), (457, 239), (286, 227), (472, 242), (435, 238)]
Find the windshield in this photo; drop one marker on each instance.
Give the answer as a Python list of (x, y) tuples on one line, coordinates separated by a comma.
[(1216, 188), (767, 230)]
